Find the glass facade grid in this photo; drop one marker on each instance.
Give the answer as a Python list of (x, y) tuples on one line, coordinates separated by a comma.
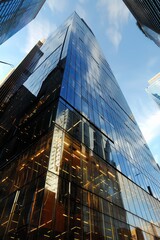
[(74, 163), (15, 14), (147, 15), (146, 12), (96, 117)]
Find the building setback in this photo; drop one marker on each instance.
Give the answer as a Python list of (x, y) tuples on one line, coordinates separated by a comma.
[(74, 164), (15, 14)]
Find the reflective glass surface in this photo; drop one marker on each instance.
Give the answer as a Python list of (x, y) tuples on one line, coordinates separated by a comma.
[(15, 14), (154, 88), (74, 164)]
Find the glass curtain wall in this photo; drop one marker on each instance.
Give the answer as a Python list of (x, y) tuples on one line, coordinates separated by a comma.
[(76, 166)]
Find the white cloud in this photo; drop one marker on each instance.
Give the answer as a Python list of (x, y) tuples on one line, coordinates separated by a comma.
[(152, 62), (148, 118), (117, 15), (157, 158), (38, 29), (114, 36), (57, 5), (150, 125), (82, 1), (81, 12)]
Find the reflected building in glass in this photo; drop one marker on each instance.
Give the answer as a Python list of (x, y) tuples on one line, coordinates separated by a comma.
[(74, 164), (18, 76), (15, 14), (154, 88)]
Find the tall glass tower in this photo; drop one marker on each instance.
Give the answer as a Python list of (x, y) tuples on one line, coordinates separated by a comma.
[(15, 14), (74, 164)]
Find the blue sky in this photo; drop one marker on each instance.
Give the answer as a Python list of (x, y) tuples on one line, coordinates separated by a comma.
[(133, 58)]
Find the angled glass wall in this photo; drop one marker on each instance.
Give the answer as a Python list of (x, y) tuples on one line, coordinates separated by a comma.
[(15, 14), (74, 164)]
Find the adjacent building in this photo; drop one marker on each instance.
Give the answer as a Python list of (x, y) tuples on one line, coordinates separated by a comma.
[(15, 14), (154, 88), (147, 14), (13, 81), (74, 164)]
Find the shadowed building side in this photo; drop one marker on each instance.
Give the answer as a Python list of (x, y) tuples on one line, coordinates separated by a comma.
[(147, 14)]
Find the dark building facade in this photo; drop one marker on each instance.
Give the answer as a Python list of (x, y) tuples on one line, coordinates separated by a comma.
[(15, 14), (147, 14), (11, 85), (20, 74), (74, 164)]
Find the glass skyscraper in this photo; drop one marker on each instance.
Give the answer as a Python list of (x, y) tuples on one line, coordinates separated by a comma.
[(147, 14), (18, 76), (74, 164), (154, 88), (15, 14)]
